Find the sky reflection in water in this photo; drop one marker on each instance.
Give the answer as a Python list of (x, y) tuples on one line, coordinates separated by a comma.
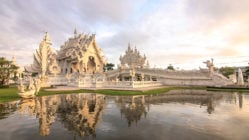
[(178, 114)]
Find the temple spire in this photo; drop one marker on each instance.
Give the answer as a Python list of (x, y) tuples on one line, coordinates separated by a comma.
[(47, 38), (14, 60), (75, 32), (129, 46), (136, 50)]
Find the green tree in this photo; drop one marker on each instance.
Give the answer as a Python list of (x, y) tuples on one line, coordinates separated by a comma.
[(6, 69), (247, 71), (170, 67), (226, 71), (108, 66)]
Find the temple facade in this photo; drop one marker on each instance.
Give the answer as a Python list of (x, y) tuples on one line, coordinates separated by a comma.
[(81, 54), (133, 59), (80, 62)]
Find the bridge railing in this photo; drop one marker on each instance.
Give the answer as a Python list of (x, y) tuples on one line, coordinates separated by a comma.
[(131, 84), (52, 80), (182, 74)]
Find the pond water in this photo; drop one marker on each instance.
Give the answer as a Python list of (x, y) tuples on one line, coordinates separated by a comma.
[(178, 114)]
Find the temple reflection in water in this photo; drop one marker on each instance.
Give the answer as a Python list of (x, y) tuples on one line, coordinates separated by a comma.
[(133, 108), (81, 113)]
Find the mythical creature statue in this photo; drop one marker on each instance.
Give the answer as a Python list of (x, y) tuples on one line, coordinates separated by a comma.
[(31, 90), (210, 65)]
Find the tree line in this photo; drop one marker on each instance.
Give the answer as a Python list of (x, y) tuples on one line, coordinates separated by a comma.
[(8, 71)]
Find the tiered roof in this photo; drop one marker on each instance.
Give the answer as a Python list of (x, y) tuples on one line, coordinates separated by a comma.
[(132, 58)]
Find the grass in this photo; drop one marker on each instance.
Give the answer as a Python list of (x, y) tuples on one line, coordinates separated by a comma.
[(100, 91), (43, 92), (117, 92), (229, 89), (10, 94)]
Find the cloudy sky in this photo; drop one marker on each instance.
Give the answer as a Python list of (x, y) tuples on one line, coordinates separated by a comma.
[(180, 32)]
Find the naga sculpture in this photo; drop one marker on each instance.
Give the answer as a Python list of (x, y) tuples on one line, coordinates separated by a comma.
[(31, 90)]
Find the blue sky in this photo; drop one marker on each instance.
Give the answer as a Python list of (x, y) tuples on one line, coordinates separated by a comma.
[(180, 32)]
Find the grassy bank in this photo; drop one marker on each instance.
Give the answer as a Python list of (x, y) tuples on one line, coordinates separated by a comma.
[(107, 91), (10, 94), (229, 90), (117, 92)]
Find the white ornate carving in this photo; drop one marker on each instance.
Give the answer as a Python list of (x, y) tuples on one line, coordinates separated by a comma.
[(31, 90), (210, 65), (81, 54), (132, 58), (54, 68), (42, 57)]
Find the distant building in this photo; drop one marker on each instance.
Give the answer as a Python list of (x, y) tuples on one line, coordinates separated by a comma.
[(133, 59)]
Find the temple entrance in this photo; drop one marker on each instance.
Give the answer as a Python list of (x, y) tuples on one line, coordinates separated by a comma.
[(91, 65)]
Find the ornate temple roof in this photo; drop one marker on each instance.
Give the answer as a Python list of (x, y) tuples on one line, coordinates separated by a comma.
[(42, 56), (132, 58), (75, 47)]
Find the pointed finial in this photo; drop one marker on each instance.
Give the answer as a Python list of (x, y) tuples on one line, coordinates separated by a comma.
[(129, 46), (75, 31), (135, 49), (13, 60), (47, 37)]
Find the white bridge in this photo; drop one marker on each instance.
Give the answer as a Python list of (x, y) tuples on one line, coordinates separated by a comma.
[(143, 77), (170, 77)]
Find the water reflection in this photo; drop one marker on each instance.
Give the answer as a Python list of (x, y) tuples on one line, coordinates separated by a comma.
[(133, 108), (240, 100), (80, 114), (7, 109)]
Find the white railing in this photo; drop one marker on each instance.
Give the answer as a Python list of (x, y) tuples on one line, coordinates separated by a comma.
[(57, 81), (163, 76), (190, 74), (131, 84)]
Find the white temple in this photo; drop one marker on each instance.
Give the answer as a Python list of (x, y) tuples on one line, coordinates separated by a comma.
[(133, 59), (81, 54), (43, 57), (80, 62)]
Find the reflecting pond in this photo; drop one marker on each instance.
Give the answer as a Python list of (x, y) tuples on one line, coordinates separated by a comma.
[(178, 114)]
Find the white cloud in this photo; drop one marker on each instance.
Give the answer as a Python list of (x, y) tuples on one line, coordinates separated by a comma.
[(176, 32)]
